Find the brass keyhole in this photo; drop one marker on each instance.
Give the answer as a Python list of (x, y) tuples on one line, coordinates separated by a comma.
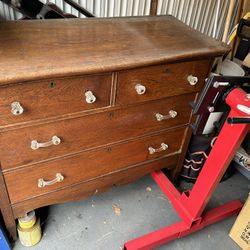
[(52, 84)]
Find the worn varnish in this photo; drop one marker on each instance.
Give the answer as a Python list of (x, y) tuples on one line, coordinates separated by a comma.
[(160, 81), (91, 131), (90, 164), (94, 186), (51, 98), (78, 46), (47, 66)]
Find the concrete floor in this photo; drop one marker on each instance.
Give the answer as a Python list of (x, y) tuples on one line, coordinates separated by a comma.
[(106, 221)]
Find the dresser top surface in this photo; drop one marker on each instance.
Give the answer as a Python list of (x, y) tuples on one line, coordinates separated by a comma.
[(55, 48)]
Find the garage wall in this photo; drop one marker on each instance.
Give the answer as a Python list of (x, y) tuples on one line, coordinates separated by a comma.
[(199, 14)]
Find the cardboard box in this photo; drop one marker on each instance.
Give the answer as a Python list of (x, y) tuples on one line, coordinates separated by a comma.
[(240, 231)]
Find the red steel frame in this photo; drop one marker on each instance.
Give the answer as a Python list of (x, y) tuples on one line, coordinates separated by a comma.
[(190, 205)]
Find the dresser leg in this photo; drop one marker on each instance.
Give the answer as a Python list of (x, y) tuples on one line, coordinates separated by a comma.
[(9, 219), (6, 209), (11, 228)]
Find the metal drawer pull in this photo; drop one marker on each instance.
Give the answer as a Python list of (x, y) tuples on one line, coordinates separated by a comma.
[(193, 80), (140, 89), (154, 150), (171, 114), (16, 108), (90, 98), (54, 141), (42, 183)]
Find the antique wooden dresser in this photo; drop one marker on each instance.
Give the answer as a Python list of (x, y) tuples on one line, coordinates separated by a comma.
[(89, 104)]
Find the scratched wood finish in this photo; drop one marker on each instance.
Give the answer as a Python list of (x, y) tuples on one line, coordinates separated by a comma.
[(51, 48), (103, 143), (54, 97), (91, 131), (89, 165), (160, 81), (92, 187)]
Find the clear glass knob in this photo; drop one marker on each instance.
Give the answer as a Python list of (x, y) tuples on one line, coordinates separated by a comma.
[(90, 98), (140, 89), (16, 108), (193, 80)]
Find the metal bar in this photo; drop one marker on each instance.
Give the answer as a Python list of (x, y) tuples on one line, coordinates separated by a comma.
[(79, 8), (191, 207), (222, 212), (166, 185), (173, 195), (228, 142), (238, 120), (35, 9), (179, 229), (216, 18), (156, 238)]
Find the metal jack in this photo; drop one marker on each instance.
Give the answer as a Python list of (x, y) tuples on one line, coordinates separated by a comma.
[(191, 205)]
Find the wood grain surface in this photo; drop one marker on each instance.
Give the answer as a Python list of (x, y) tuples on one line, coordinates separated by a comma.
[(54, 97), (46, 65), (49, 48), (6, 210), (160, 81), (94, 186), (89, 165), (91, 131)]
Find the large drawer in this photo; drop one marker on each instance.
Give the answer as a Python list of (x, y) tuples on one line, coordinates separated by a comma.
[(91, 131), (23, 183), (51, 98), (93, 186), (155, 82)]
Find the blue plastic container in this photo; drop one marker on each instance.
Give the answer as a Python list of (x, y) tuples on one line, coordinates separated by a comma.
[(4, 244)]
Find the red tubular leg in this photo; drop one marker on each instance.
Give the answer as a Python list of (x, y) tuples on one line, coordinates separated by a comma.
[(173, 195), (191, 207), (227, 144)]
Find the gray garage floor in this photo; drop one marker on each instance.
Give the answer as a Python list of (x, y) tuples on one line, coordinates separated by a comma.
[(107, 220)]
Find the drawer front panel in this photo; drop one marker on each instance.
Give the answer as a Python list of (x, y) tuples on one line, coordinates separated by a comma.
[(91, 131), (155, 82), (53, 98), (90, 164), (94, 186)]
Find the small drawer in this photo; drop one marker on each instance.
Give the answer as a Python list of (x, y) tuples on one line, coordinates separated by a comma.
[(47, 177), (42, 99), (156, 82), (40, 142)]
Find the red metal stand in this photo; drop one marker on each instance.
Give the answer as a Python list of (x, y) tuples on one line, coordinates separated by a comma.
[(190, 205)]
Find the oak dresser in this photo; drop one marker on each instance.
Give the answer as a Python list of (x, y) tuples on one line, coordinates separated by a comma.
[(89, 104)]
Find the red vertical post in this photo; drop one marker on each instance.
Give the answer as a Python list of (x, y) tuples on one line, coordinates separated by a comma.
[(227, 144), (190, 206)]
